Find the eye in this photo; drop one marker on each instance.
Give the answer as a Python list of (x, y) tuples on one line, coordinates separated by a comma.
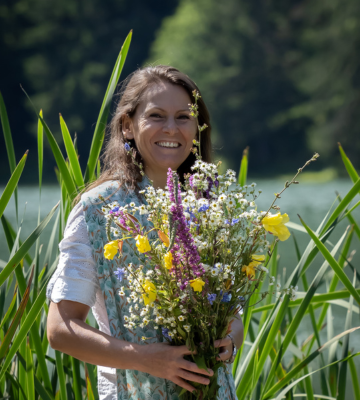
[(184, 116), (155, 115)]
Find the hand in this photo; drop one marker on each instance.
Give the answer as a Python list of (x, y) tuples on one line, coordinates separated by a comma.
[(165, 361), (226, 348)]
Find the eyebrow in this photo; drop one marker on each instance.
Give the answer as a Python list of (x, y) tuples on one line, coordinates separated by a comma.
[(159, 108)]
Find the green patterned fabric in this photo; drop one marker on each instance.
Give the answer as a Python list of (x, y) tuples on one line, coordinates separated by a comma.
[(134, 385)]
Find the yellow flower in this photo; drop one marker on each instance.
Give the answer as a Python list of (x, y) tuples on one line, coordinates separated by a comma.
[(110, 249), (164, 238), (258, 258), (150, 295), (197, 284), (249, 269), (275, 225), (142, 243), (168, 258)]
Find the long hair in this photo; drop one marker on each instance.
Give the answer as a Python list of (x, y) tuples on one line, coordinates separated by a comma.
[(117, 164)]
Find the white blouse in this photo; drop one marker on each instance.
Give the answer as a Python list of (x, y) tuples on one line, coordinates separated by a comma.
[(76, 279)]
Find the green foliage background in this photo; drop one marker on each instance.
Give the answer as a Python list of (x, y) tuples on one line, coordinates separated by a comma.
[(279, 76)]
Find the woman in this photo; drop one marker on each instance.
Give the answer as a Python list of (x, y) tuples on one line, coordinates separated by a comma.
[(153, 115)]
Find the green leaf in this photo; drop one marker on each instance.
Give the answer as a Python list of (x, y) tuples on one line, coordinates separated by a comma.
[(354, 378), (348, 165), (345, 351), (99, 133), (343, 204), (16, 321), (71, 153), (333, 263), (298, 368), (29, 373), (12, 184), (40, 143), (76, 378), (60, 161), (9, 145), (61, 375), (200, 361), (243, 168), (24, 329), (24, 248)]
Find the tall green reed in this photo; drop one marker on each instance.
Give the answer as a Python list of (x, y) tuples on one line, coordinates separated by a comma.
[(272, 363)]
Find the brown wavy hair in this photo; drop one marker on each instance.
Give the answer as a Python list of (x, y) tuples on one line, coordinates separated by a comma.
[(117, 164)]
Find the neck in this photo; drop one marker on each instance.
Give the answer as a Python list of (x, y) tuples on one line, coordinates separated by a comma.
[(159, 178)]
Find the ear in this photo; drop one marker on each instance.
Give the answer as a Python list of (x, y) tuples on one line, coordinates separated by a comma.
[(127, 128)]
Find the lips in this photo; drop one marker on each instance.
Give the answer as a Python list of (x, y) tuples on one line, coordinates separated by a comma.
[(168, 145)]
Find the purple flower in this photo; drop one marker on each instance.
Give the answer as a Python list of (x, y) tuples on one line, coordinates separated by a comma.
[(165, 332), (211, 297), (127, 147), (235, 221), (203, 208), (119, 273), (227, 222)]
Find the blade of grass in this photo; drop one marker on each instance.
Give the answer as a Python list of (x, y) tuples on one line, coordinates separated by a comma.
[(71, 153), (343, 204), (298, 317), (60, 161), (76, 378), (354, 378), (243, 168), (9, 146), (348, 165), (12, 184), (333, 263), (297, 369), (99, 133), (24, 248), (61, 375), (345, 351), (29, 373), (4, 347)]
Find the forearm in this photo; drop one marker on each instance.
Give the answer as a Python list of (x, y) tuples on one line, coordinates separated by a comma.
[(88, 344)]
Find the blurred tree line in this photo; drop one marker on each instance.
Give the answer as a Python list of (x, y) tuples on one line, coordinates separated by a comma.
[(281, 77), (62, 54)]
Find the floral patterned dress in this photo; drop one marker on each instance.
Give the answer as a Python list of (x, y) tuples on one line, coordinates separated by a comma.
[(131, 384)]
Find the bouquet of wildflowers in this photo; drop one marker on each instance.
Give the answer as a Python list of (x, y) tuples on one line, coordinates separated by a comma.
[(206, 253)]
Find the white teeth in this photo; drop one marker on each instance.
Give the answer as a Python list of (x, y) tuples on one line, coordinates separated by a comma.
[(168, 144)]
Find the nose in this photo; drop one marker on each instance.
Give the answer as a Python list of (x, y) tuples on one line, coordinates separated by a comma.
[(170, 126)]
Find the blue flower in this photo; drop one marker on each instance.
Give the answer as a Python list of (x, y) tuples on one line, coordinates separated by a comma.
[(227, 222), (211, 297), (203, 208), (127, 147), (235, 221), (165, 332), (119, 273), (226, 298)]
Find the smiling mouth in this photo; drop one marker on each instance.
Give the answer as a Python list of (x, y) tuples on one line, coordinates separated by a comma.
[(169, 145)]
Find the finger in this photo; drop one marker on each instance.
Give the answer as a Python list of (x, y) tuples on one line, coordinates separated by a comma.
[(180, 382), (184, 350), (189, 376), (224, 355), (222, 342), (190, 366)]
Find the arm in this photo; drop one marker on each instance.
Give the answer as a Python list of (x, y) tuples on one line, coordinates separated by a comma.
[(68, 333)]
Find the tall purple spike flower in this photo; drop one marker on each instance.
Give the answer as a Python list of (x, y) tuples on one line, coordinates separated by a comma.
[(183, 236)]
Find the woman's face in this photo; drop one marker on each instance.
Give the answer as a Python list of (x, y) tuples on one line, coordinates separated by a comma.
[(162, 128)]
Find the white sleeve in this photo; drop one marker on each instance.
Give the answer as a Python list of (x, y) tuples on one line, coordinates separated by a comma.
[(75, 277)]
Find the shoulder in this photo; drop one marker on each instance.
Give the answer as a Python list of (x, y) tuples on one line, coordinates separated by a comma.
[(106, 189)]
